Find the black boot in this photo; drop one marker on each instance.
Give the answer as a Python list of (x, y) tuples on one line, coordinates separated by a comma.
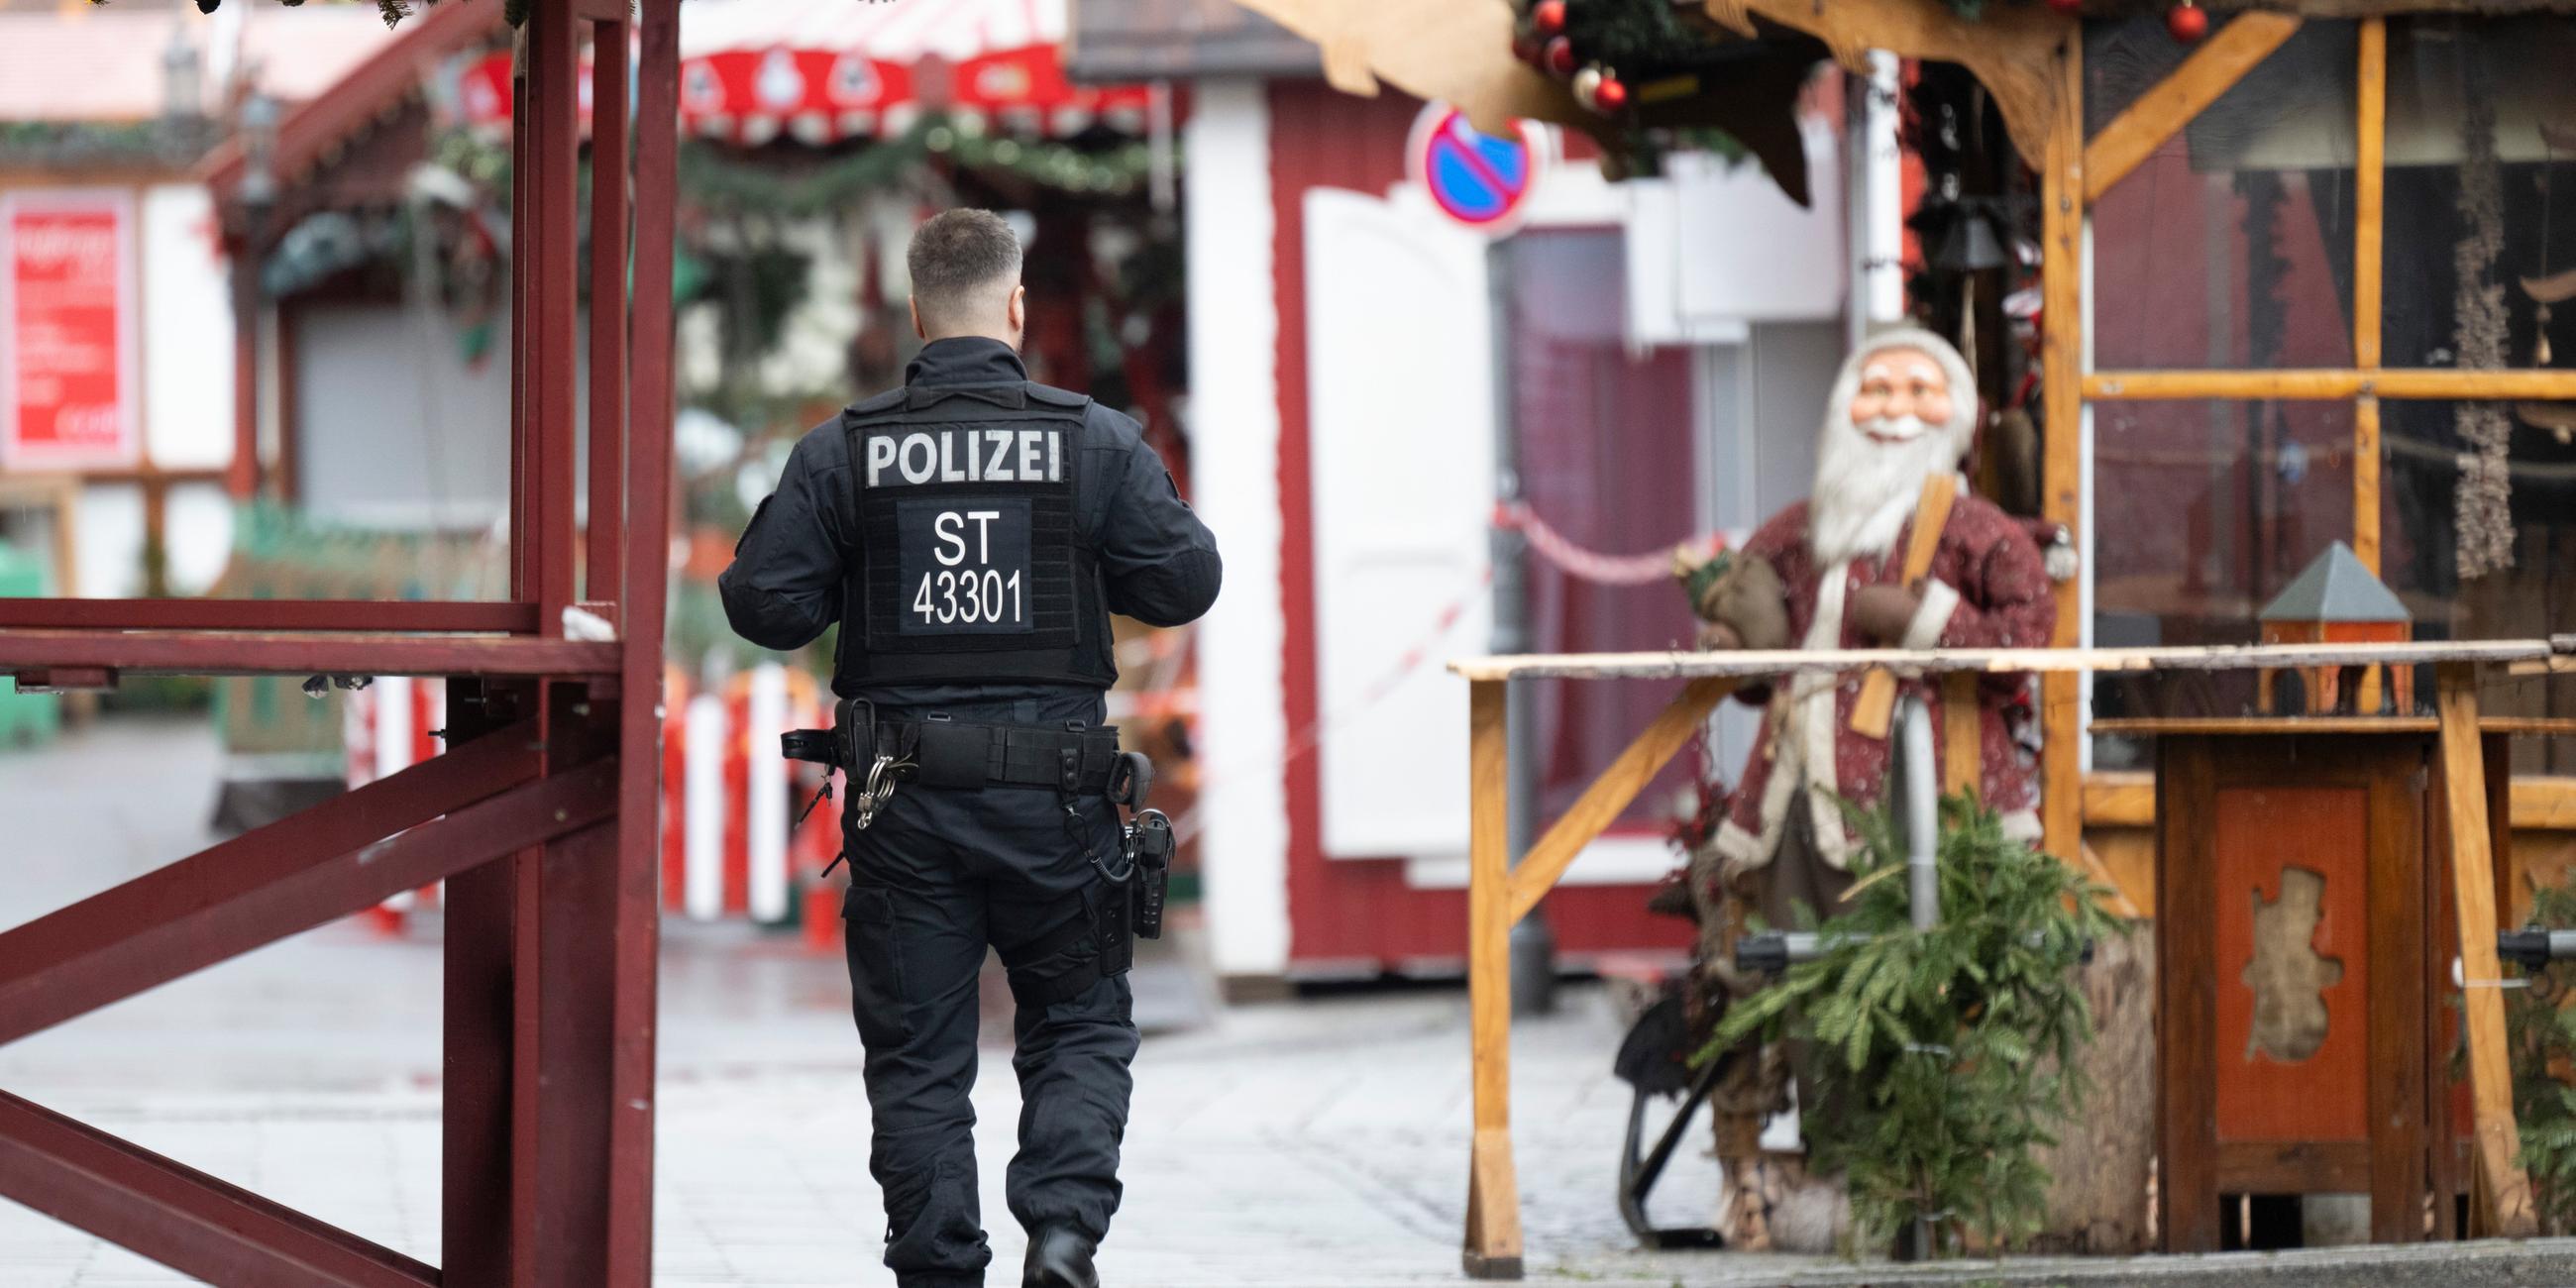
[(1060, 1257)]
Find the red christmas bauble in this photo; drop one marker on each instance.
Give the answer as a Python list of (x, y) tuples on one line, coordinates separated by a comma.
[(2187, 22), (1525, 48), (1560, 57), (1610, 95), (1548, 16)]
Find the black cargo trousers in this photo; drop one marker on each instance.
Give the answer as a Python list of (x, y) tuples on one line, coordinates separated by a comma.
[(940, 875)]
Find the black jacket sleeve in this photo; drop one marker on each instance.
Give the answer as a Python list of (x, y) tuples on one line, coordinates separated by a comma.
[(783, 587), (1157, 560)]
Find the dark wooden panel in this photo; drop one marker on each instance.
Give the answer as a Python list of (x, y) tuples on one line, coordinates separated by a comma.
[(2186, 992), (2293, 1167), (2232, 812), (2399, 1124)]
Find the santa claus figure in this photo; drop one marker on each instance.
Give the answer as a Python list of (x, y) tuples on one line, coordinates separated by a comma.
[(1828, 573)]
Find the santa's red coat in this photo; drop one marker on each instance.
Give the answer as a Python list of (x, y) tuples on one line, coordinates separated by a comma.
[(1988, 588)]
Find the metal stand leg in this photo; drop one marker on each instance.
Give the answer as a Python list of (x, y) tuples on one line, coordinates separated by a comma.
[(1637, 1175)]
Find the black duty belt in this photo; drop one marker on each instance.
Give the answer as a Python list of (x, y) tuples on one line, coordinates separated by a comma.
[(952, 753), (939, 752)]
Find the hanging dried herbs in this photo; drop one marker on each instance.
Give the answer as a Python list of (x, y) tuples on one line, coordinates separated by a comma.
[(2484, 498)]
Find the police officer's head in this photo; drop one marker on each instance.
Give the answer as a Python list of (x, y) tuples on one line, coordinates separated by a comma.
[(966, 278)]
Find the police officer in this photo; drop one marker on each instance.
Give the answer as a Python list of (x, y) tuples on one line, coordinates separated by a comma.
[(972, 532)]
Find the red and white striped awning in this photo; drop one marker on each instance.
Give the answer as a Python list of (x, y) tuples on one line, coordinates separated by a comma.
[(820, 71), (823, 70)]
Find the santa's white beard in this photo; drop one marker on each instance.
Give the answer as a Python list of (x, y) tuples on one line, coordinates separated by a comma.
[(1866, 489)]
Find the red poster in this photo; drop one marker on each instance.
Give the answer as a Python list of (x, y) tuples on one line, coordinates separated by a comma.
[(66, 331)]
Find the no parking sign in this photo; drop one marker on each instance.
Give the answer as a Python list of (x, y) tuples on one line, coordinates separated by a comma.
[(1480, 180)]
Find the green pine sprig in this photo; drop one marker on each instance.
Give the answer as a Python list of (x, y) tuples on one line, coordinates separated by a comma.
[(1946, 1058), (2540, 1039)]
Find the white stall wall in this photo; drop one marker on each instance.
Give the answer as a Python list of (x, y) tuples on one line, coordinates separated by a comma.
[(187, 332), (1234, 463), (397, 430), (1400, 383), (108, 530), (394, 432), (198, 524)]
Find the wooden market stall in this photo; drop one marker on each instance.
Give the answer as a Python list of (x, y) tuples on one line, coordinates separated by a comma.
[(2400, 1076), (2288, 370)]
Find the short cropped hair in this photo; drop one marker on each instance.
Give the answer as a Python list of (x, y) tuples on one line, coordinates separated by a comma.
[(964, 263)]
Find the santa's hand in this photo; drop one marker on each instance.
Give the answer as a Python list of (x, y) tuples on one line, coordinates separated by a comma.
[(1715, 636), (1884, 611)]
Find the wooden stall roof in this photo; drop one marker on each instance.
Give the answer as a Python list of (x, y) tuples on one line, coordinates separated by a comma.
[(372, 92), (1459, 51), (2556, 652)]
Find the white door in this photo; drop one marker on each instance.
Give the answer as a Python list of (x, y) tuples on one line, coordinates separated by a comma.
[(1400, 376)]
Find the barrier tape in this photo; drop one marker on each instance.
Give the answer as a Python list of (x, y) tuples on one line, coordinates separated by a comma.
[(1307, 738), (1590, 565)]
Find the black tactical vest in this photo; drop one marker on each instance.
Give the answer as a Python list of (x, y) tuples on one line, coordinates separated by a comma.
[(973, 563)]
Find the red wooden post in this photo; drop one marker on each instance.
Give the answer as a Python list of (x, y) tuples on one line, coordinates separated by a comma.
[(636, 946), (477, 1024), (607, 307), (545, 271)]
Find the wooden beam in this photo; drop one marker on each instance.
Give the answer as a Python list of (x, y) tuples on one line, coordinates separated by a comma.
[(605, 536), (1493, 1237), (1600, 804), (2369, 218), (2120, 799), (2153, 726), (2125, 798), (2438, 383), (1876, 703), (2061, 273), (2010, 49), (2366, 455), (1963, 735), (371, 616), (2162, 112), (181, 1217), (300, 653), (2544, 804), (2504, 1192), (2370, 201), (2164, 657)]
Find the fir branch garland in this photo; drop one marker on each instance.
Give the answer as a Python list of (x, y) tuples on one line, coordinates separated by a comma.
[(716, 177), (174, 141), (1944, 1058)]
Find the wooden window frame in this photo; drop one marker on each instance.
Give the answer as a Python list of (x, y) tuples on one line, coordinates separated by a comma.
[(2075, 176)]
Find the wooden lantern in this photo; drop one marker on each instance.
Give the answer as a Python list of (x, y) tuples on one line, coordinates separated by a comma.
[(2337, 601)]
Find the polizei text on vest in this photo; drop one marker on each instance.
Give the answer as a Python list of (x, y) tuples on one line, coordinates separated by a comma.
[(967, 454)]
